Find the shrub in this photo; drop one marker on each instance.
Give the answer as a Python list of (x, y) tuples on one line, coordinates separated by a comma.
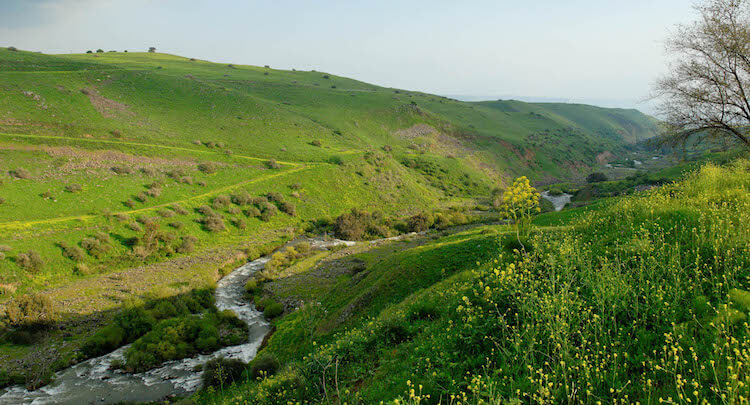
[(81, 269), (273, 310), (242, 198), (151, 49), (30, 310), (30, 261), (100, 51), (89, 51), (264, 365), (358, 224), (97, 245), (239, 223), (206, 210), (153, 192), (2, 200), (596, 177), (275, 197), (129, 203), (420, 222), (316, 142), (176, 225), (252, 211), (273, 164), (186, 180), (104, 341), (267, 211), (295, 186), (20, 173), (213, 223), (73, 188), (220, 201), (252, 287), (220, 372), (336, 160), (165, 213), (207, 167), (288, 208), (12, 48), (179, 209), (140, 197), (121, 170), (187, 245), (72, 252)]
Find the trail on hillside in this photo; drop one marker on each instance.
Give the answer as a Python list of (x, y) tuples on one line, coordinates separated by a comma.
[(297, 167)]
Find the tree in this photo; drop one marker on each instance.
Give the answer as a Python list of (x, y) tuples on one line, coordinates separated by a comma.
[(596, 177), (706, 91), (152, 49), (518, 203)]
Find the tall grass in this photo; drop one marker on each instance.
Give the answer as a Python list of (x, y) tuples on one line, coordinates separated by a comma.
[(643, 301)]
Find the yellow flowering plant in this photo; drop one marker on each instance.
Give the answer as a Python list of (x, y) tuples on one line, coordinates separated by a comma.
[(518, 203)]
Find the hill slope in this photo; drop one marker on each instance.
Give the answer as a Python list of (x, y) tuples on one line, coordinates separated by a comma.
[(642, 300), (109, 141)]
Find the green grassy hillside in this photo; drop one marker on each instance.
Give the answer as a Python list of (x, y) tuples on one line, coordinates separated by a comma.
[(641, 300), (129, 176), (96, 142)]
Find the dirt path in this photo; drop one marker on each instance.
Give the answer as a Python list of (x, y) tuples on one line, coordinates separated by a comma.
[(296, 167)]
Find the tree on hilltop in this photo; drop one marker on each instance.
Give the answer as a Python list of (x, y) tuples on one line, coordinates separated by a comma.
[(152, 49), (706, 90)]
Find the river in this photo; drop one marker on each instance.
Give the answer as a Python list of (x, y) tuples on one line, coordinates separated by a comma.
[(558, 201), (94, 382)]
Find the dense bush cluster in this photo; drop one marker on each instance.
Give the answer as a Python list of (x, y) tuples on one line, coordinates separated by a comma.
[(361, 225), (185, 336), (135, 321), (30, 311)]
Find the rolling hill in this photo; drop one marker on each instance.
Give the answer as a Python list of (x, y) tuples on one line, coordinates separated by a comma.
[(138, 175)]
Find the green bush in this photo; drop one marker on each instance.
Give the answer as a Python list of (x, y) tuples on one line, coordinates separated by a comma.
[(242, 198), (213, 223), (420, 222), (596, 177), (273, 310), (252, 287), (207, 167), (72, 252), (30, 310), (31, 261), (221, 372), (185, 336), (73, 188), (221, 201), (264, 365)]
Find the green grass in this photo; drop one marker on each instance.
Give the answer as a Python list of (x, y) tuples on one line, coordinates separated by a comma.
[(642, 299), (338, 144)]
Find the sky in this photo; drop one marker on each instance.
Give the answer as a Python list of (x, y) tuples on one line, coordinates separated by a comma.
[(604, 52)]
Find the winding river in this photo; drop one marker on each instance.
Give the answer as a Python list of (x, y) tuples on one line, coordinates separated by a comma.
[(93, 382), (558, 201)]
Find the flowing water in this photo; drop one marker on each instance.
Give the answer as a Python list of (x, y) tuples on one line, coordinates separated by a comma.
[(93, 382), (558, 201)]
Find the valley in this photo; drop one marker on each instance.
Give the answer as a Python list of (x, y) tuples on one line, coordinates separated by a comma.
[(153, 207)]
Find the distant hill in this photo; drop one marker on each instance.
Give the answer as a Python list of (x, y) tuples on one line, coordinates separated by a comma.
[(276, 113)]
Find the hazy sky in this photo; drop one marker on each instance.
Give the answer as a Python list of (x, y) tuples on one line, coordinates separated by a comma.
[(597, 51)]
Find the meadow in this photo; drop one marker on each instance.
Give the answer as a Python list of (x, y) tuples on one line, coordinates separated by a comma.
[(129, 178), (642, 300)]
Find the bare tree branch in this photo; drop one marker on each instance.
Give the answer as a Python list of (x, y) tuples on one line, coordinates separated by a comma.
[(706, 91)]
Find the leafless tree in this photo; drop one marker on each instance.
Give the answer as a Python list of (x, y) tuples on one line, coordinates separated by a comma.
[(706, 91)]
